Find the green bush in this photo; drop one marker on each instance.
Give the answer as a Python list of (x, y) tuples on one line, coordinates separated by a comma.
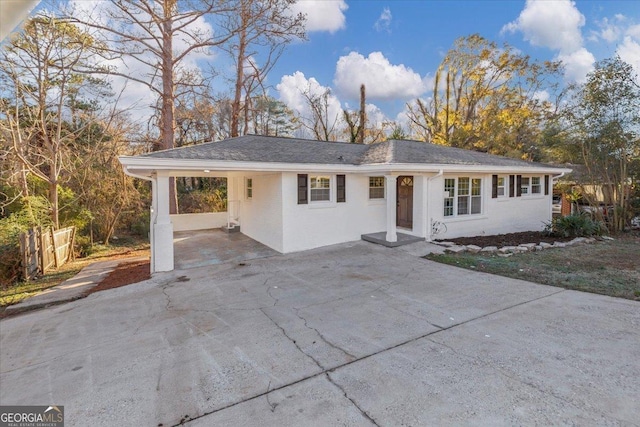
[(576, 225)]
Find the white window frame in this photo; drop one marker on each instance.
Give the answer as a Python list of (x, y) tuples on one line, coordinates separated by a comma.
[(377, 187), (453, 200), (504, 186), (248, 188), (527, 190), (330, 188)]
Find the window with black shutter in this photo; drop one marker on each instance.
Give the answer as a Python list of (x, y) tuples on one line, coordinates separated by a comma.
[(302, 189), (341, 188), (512, 185), (546, 185), (494, 187), (519, 185)]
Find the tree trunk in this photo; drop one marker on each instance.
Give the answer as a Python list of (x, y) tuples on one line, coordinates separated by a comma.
[(363, 115), (168, 107), (53, 198), (235, 107)]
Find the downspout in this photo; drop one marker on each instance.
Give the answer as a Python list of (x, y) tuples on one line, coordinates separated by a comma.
[(153, 215), (429, 224)]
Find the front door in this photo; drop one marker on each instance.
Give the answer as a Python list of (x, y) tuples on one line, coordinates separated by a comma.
[(404, 213)]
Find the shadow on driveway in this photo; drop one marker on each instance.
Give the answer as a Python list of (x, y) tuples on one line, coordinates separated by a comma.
[(352, 334)]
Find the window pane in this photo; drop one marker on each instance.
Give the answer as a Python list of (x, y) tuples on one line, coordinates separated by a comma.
[(463, 186), (376, 193), (476, 187), (376, 181), (320, 182), (476, 205), (535, 185), (448, 206), (319, 194), (463, 205), (449, 185)]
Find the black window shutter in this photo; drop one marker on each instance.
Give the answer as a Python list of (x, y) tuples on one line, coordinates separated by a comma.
[(512, 185), (546, 185), (494, 187), (519, 185), (341, 187), (302, 189)]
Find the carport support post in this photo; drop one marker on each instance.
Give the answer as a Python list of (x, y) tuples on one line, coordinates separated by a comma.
[(162, 245), (390, 185)]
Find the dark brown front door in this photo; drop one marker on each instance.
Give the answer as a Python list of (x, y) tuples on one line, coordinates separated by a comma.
[(404, 213)]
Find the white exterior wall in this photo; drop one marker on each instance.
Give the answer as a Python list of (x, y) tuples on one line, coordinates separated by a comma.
[(499, 216), (198, 221), (325, 223), (261, 216)]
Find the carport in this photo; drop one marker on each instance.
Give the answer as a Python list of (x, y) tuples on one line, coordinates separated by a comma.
[(214, 246), (188, 230)]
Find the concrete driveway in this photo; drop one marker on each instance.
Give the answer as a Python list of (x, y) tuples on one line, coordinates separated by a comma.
[(353, 334)]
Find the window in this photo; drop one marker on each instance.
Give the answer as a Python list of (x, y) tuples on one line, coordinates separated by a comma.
[(320, 188), (502, 186), (531, 185), (476, 196), (376, 187), (535, 185), (449, 194), (462, 196), (249, 188), (524, 185)]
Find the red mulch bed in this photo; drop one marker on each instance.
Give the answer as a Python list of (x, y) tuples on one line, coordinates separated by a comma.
[(125, 274), (511, 239)]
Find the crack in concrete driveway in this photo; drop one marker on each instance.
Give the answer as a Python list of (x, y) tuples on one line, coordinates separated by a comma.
[(379, 338)]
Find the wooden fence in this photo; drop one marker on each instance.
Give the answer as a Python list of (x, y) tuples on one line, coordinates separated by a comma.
[(41, 250)]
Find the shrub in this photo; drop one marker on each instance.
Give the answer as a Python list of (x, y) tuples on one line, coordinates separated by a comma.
[(576, 225)]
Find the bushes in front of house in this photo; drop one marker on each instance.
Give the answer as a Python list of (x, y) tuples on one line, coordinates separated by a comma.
[(575, 225)]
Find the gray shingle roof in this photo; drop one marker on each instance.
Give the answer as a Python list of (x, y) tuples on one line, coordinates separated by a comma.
[(254, 148)]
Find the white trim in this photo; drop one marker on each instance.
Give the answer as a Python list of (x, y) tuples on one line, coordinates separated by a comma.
[(146, 166)]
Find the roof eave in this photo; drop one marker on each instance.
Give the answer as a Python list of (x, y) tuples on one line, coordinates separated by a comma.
[(147, 166)]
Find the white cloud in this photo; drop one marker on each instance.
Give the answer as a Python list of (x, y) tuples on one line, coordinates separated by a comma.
[(629, 52), (292, 89), (322, 15), (634, 31), (552, 24), (609, 30), (381, 79), (375, 116), (557, 25), (577, 64), (384, 21)]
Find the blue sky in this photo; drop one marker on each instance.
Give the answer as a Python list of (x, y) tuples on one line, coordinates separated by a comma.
[(395, 46), (409, 38)]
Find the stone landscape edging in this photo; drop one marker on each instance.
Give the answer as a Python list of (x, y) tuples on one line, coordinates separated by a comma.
[(507, 251)]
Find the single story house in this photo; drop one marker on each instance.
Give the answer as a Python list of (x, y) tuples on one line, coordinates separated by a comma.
[(297, 194)]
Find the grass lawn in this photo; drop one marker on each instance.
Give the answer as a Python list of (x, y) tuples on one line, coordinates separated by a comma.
[(605, 267), (122, 248)]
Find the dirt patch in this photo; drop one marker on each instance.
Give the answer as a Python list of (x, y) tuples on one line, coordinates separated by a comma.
[(511, 239), (125, 273)]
